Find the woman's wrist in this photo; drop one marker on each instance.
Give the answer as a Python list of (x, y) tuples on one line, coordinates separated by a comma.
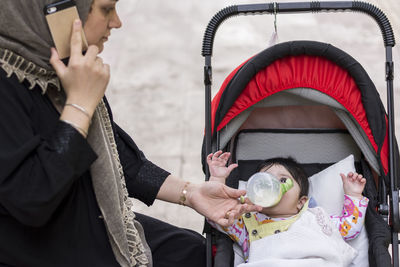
[(80, 109), (78, 103), (183, 196), (187, 193), (76, 118)]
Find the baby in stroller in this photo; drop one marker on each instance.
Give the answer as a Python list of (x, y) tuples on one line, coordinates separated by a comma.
[(295, 232)]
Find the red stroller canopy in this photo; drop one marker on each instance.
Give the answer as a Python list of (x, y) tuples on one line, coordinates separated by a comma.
[(310, 70)]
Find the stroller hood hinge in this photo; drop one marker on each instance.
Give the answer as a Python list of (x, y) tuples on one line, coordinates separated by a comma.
[(389, 71), (207, 75)]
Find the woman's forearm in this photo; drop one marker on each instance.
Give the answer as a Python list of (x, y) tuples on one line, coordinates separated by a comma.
[(176, 190)]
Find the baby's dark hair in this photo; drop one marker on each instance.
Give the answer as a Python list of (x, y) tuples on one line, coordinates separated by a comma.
[(293, 167)]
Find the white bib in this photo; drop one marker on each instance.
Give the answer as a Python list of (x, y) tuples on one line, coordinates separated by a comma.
[(311, 241)]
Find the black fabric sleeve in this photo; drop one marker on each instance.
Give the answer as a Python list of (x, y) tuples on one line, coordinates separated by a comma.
[(36, 170), (143, 178)]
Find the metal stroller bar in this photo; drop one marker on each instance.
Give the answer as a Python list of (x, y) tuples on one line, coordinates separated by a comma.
[(303, 7), (297, 7)]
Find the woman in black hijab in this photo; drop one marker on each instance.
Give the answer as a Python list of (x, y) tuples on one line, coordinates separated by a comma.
[(67, 171)]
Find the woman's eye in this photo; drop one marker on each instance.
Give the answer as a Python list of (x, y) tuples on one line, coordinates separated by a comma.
[(282, 180), (108, 10)]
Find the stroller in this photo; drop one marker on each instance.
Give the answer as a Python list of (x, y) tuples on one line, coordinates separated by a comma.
[(311, 101)]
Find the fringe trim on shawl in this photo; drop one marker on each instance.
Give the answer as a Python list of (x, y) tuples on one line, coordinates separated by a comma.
[(136, 249), (12, 63)]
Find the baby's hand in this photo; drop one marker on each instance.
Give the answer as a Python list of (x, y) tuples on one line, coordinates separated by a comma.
[(217, 165), (353, 184)]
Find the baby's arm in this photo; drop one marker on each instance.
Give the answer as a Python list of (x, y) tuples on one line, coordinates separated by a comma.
[(217, 166), (351, 221)]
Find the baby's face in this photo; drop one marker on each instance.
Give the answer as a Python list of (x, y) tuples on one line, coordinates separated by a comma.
[(290, 203)]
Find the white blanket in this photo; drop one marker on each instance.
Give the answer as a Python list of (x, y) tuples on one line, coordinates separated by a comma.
[(312, 241)]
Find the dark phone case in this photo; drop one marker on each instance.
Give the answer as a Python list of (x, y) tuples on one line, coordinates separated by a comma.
[(60, 5)]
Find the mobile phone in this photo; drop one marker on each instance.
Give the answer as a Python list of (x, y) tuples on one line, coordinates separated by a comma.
[(60, 17)]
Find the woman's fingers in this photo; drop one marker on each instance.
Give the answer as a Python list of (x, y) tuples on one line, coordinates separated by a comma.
[(57, 64), (228, 219), (249, 207), (235, 213), (106, 69), (92, 52), (231, 216), (99, 63), (76, 39), (237, 193), (223, 222), (234, 193)]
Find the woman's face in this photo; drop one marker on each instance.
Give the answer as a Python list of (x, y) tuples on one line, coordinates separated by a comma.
[(102, 18), (291, 202)]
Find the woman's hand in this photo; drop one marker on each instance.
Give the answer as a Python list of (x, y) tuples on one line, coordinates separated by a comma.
[(86, 77), (218, 202)]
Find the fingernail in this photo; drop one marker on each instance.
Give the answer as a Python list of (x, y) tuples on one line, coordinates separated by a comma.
[(77, 22)]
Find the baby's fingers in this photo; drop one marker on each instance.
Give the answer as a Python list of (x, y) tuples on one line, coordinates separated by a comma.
[(356, 177), (209, 157), (361, 179), (217, 154), (351, 175), (213, 157), (344, 177), (225, 156), (232, 166)]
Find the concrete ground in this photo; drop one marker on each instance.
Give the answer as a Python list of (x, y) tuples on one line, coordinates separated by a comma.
[(157, 91)]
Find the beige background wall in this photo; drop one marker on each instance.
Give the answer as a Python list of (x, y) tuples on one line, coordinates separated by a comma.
[(156, 89)]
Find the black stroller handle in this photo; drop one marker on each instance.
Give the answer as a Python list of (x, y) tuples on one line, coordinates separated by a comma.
[(297, 7)]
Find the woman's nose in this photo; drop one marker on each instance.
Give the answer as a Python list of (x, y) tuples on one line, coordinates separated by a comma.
[(115, 22)]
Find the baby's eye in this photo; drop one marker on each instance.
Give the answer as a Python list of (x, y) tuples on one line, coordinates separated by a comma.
[(283, 180)]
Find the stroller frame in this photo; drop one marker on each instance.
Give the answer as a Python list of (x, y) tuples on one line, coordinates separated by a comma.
[(386, 207)]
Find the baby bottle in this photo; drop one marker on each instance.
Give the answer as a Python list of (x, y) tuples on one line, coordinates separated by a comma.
[(265, 190)]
